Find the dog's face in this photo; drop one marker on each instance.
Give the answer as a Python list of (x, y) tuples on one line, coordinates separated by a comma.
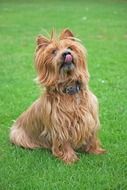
[(60, 60)]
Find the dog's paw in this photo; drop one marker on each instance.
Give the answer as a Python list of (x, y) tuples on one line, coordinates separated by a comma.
[(70, 158), (97, 151)]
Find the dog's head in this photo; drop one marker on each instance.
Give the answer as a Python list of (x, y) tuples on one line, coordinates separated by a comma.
[(60, 60)]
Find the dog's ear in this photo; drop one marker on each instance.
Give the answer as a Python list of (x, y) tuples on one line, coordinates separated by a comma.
[(66, 33), (42, 41)]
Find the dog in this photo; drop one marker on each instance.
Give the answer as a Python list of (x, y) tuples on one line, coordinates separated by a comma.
[(65, 118)]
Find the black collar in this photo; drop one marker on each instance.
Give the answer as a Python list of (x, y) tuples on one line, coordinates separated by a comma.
[(73, 89)]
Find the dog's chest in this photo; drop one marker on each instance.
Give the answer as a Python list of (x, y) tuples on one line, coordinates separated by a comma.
[(76, 120)]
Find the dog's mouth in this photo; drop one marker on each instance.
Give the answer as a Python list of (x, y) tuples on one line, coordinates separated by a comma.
[(67, 65)]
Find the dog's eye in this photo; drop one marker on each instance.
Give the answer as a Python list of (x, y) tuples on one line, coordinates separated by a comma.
[(69, 48), (54, 51)]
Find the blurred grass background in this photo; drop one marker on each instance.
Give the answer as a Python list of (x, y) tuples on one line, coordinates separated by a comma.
[(102, 27)]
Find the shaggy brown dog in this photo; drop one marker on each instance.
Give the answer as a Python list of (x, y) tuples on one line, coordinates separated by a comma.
[(65, 117)]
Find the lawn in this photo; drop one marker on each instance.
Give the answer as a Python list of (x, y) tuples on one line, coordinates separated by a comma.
[(102, 27)]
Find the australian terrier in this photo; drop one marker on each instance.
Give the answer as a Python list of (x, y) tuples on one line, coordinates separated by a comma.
[(65, 117)]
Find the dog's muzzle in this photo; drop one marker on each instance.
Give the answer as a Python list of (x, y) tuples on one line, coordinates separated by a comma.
[(67, 64)]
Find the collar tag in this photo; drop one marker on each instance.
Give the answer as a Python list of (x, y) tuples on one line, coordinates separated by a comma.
[(71, 90)]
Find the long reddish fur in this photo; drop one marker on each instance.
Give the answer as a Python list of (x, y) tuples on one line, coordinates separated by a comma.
[(59, 121)]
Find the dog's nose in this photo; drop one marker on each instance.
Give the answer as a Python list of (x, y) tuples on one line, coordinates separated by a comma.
[(66, 53)]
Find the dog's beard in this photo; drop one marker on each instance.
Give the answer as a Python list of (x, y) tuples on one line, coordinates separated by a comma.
[(67, 68)]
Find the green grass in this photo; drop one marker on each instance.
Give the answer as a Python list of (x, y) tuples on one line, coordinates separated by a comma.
[(102, 27)]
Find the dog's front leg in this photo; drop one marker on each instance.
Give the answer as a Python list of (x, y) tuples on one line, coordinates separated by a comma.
[(93, 146), (64, 151)]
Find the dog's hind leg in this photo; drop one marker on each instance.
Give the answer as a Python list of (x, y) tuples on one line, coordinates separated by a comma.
[(19, 137)]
